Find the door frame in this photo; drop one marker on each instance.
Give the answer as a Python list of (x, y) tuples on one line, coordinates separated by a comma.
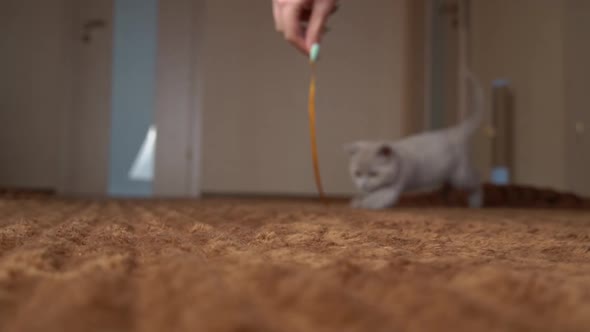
[(177, 170), (68, 30), (195, 123), (458, 10), (179, 99), (415, 97)]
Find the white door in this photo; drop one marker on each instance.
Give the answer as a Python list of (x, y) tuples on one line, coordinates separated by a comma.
[(87, 142), (32, 65)]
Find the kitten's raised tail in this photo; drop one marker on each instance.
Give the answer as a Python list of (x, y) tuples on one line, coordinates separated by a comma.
[(472, 123)]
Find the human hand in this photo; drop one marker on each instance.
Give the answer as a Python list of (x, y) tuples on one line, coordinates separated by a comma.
[(302, 22)]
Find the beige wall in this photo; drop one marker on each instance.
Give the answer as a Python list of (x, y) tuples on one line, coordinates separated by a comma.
[(577, 101), (255, 135), (523, 41), (32, 103)]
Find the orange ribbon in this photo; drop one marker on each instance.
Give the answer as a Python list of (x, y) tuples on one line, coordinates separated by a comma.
[(312, 132)]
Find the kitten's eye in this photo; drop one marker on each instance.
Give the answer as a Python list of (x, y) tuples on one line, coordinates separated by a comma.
[(358, 174), (372, 174)]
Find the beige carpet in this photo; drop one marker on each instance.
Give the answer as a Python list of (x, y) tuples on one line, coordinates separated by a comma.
[(254, 265)]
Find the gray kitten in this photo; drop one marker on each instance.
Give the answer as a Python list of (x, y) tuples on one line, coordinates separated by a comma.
[(382, 171)]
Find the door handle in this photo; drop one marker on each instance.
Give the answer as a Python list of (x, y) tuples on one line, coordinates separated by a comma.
[(490, 132), (90, 26), (580, 128)]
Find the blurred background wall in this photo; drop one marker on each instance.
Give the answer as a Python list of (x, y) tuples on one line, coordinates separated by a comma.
[(231, 95), (255, 134)]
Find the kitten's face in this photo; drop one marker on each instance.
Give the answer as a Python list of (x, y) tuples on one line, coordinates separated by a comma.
[(372, 165)]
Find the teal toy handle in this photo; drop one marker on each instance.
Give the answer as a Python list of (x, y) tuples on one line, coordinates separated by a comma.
[(314, 53)]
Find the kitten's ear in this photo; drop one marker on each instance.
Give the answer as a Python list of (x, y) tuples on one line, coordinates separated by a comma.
[(385, 151), (351, 148)]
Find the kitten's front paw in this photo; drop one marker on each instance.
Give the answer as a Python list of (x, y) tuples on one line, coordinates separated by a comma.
[(476, 199), (373, 203), (356, 202)]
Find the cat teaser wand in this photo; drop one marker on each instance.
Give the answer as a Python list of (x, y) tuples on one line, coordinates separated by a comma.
[(313, 57)]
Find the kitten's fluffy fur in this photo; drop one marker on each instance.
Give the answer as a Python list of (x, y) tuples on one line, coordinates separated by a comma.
[(382, 171)]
